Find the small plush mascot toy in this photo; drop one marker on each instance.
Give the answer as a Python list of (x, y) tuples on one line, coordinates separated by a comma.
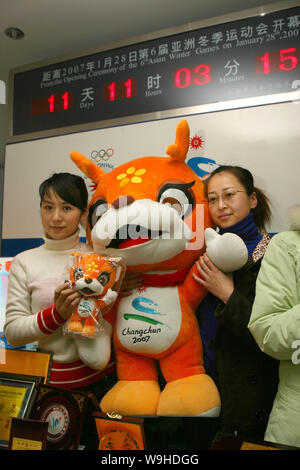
[(153, 213), (94, 276)]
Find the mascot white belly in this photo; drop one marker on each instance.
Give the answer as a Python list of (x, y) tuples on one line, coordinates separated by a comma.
[(149, 322)]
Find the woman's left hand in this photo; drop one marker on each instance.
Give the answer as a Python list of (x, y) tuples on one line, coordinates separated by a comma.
[(130, 282), (66, 300), (211, 278)]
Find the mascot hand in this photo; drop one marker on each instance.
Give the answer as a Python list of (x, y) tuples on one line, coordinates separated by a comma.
[(110, 297), (228, 251)]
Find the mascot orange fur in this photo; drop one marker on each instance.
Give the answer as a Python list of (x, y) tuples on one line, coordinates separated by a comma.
[(152, 212)]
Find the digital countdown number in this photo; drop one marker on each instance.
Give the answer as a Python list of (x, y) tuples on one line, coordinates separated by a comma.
[(256, 57), (283, 60), (52, 103), (120, 90), (199, 75)]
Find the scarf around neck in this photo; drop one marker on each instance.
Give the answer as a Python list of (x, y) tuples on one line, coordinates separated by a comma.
[(247, 230)]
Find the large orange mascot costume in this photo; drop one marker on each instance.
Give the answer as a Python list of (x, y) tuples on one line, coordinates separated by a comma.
[(152, 212)]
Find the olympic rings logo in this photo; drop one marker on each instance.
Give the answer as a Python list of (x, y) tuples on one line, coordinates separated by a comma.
[(102, 154)]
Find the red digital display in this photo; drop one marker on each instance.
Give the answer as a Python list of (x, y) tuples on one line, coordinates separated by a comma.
[(282, 60), (244, 59), (199, 75), (52, 103), (120, 90)]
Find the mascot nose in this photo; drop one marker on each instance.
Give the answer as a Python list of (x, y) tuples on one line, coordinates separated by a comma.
[(88, 280), (123, 201)]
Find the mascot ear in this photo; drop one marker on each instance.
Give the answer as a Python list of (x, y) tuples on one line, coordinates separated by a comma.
[(228, 251), (89, 168)]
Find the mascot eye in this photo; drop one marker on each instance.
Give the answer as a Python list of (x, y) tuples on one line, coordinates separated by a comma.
[(78, 273), (96, 211), (103, 278), (179, 197)]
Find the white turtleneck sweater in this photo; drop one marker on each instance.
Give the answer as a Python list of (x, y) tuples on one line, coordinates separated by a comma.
[(31, 315)]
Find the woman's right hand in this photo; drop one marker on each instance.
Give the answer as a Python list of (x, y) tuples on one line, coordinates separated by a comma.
[(211, 278), (66, 299)]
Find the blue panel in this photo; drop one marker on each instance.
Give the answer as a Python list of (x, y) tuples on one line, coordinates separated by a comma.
[(13, 246)]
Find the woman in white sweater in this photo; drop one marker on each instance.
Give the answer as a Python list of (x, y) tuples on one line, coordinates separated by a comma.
[(39, 302)]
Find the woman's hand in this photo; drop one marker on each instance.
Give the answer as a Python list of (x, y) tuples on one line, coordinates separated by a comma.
[(130, 282), (66, 299), (211, 278)]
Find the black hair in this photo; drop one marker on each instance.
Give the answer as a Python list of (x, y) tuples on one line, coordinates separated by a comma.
[(262, 212), (71, 188)]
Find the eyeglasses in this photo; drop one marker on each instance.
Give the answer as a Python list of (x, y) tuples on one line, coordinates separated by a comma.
[(227, 196)]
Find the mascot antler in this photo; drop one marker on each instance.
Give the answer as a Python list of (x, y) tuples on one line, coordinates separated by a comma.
[(88, 167), (179, 150)]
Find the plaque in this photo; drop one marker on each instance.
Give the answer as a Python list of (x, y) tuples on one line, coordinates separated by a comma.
[(64, 411), (27, 434), (119, 433), (17, 393), (31, 363)]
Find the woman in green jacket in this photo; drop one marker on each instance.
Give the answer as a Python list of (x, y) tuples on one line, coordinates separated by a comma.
[(275, 325)]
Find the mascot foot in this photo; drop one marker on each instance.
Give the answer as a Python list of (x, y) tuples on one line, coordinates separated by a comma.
[(137, 398), (89, 330), (191, 396), (75, 326)]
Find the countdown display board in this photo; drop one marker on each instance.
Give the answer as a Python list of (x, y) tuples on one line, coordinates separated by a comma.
[(252, 57)]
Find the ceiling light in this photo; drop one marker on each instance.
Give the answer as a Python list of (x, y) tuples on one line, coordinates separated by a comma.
[(14, 33)]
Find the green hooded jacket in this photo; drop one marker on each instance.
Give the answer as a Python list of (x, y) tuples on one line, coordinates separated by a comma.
[(275, 325)]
